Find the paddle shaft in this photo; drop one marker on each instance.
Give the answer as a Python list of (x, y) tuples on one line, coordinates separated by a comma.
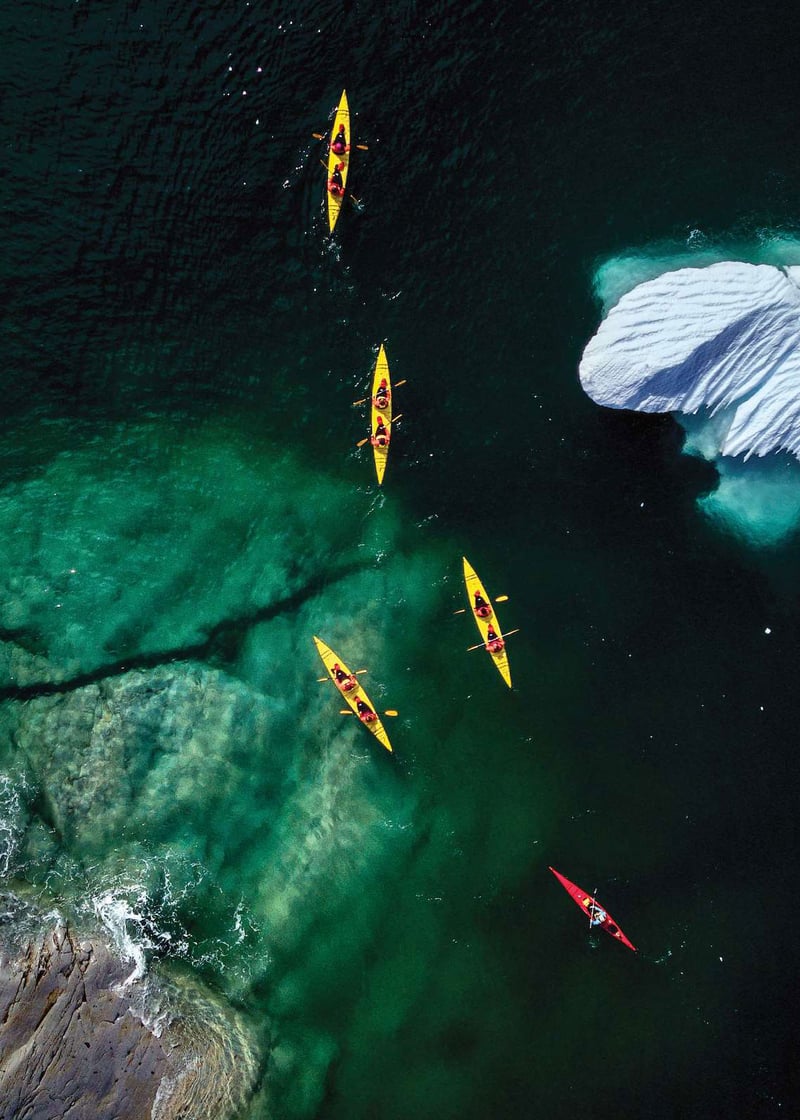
[(366, 439), (395, 386), (388, 712), (593, 907), (361, 147), (498, 599), (482, 645), (322, 680)]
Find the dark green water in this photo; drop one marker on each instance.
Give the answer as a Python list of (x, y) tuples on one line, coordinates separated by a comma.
[(179, 485)]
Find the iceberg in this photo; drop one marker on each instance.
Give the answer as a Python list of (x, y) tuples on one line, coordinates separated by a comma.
[(724, 338), (720, 346)]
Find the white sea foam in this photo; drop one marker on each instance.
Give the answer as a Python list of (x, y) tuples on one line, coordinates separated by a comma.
[(125, 921), (12, 820), (138, 923), (139, 909), (720, 346)]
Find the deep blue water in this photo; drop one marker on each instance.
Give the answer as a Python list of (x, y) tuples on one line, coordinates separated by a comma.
[(167, 268)]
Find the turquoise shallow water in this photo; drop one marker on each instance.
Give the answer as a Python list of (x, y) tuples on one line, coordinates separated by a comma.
[(183, 506)]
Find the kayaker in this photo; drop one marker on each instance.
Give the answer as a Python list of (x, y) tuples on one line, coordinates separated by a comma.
[(596, 914), (494, 643), (335, 184), (381, 398), (365, 713), (340, 145), (482, 608), (381, 436), (346, 682)]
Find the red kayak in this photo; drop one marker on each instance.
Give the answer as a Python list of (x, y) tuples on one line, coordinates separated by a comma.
[(598, 917)]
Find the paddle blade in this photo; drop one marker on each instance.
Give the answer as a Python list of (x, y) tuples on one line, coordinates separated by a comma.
[(362, 401), (391, 712), (343, 712), (361, 442), (361, 147), (463, 610), (317, 135), (501, 598)]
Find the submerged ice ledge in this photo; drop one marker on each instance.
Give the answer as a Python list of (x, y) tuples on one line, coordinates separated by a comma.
[(722, 340)]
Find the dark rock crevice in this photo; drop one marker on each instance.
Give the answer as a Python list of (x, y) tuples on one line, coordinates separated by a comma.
[(219, 648)]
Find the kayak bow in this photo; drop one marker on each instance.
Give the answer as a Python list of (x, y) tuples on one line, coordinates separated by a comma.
[(381, 454), (334, 201), (329, 659), (473, 584), (590, 905)]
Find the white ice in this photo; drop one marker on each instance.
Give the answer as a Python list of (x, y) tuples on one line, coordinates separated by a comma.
[(722, 340)]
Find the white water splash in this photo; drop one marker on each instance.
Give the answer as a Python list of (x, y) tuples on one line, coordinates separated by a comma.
[(125, 921), (12, 820)]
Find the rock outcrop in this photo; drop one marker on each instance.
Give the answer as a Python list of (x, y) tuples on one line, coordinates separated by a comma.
[(81, 1039)]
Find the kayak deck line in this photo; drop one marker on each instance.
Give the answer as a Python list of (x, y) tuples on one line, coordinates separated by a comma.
[(329, 659)]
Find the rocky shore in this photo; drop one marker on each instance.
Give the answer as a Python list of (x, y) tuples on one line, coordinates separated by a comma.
[(82, 1037)]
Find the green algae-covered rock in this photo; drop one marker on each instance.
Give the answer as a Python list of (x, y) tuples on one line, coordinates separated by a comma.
[(129, 757), (137, 541)]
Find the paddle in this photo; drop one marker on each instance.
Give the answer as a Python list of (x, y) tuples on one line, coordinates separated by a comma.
[(366, 439), (482, 645), (497, 599), (396, 385), (321, 680), (388, 712), (361, 147), (592, 907)]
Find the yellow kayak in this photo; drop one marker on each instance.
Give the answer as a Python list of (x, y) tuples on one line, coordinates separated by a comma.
[(474, 585), (329, 659), (384, 414), (334, 201)]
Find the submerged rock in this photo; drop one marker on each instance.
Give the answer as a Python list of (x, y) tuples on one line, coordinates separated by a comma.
[(80, 1038), (137, 541), (125, 756)]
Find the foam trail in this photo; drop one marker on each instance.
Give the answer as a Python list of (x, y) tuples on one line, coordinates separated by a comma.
[(116, 915)]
